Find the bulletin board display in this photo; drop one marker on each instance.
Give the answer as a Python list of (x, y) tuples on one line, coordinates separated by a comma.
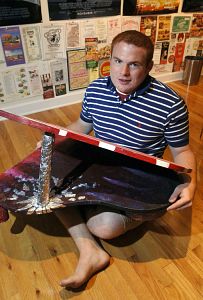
[(147, 7), (70, 9), (17, 12)]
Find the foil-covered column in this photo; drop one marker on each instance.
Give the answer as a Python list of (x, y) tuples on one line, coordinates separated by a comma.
[(45, 169)]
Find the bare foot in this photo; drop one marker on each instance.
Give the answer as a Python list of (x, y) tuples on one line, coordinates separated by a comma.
[(89, 263)]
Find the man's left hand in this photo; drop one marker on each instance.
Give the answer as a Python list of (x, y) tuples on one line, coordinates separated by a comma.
[(181, 197)]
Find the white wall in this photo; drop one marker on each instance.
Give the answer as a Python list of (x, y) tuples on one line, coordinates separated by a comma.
[(35, 104)]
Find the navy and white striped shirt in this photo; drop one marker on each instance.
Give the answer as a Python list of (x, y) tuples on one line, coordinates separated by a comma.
[(150, 119)]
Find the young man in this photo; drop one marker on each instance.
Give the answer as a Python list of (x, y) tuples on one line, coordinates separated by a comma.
[(134, 110)]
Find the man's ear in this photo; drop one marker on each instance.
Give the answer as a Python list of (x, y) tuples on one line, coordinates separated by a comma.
[(150, 66)]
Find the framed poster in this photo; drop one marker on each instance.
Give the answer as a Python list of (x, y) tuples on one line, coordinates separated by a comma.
[(148, 7), (71, 9), (16, 12), (191, 5), (77, 72)]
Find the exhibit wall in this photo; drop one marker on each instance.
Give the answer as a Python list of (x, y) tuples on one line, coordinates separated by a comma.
[(51, 50)]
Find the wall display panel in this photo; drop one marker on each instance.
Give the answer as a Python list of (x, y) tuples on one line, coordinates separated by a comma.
[(16, 12), (191, 5), (70, 9), (148, 7)]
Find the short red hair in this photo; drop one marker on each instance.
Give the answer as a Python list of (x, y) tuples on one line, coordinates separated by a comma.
[(136, 38)]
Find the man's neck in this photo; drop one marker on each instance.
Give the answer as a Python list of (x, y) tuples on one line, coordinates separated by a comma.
[(122, 96)]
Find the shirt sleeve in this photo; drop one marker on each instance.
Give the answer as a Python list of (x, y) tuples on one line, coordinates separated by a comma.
[(177, 125), (85, 114)]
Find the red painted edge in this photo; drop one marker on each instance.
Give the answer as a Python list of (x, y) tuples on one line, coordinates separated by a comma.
[(62, 131)]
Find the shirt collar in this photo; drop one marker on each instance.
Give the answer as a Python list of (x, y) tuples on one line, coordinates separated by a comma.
[(145, 85)]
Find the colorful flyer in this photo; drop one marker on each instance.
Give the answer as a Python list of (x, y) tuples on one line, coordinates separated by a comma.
[(91, 48), (60, 89), (77, 71), (164, 53), (149, 7), (181, 23), (148, 26), (12, 45), (164, 23), (47, 85), (178, 62), (104, 67), (196, 29), (46, 80), (93, 74)]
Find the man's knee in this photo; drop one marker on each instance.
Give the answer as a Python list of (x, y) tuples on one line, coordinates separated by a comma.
[(106, 225)]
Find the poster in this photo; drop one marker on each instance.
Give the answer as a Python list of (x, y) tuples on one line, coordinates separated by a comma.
[(12, 45), (104, 67), (164, 53), (157, 53), (77, 71), (192, 5), (130, 23), (179, 52), (72, 34), (16, 83), (148, 26), (16, 12), (149, 7), (196, 29), (70, 9), (53, 37), (113, 28), (34, 79), (91, 48), (32, 41), (164, 23), (181, 23), (59, 76), (87, 30)]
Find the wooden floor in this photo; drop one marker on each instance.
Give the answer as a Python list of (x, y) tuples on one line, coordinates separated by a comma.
[(160, 260)]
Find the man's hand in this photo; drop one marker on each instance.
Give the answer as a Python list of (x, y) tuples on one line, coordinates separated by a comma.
[(184, 193), (181, 197)]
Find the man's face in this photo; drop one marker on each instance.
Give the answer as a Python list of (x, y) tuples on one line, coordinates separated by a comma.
[(128, 67)]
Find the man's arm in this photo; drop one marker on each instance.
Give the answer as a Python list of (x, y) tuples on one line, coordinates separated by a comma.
[(184, 193), (81, 126)]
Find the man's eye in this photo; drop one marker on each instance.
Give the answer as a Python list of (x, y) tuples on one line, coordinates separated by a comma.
[(133, 66), (117, 61)]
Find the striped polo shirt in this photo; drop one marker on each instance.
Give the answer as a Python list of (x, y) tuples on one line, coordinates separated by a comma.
[(151, 118)]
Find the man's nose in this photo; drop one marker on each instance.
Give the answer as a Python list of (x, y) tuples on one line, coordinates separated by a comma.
[(125, 69)]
